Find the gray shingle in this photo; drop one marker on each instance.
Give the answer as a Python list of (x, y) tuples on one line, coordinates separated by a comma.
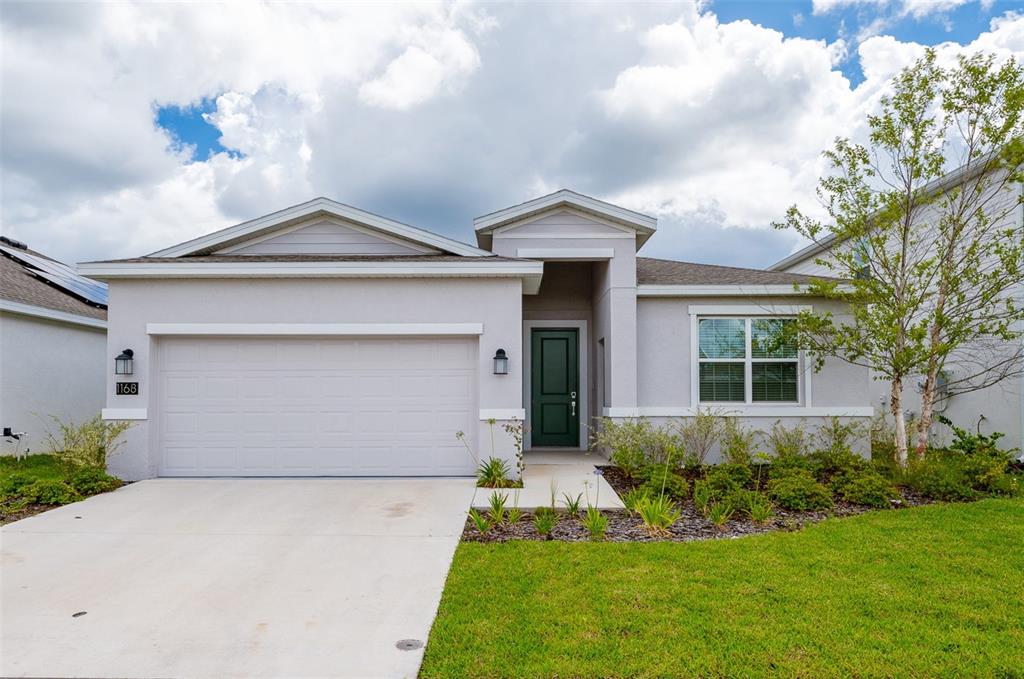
[(17, 284), (651, 271)]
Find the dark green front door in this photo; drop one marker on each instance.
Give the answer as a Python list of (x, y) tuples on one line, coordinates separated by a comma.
[(554, 407)]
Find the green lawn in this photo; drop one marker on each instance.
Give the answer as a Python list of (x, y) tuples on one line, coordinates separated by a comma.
[(925, 592), (37, 482), (34, 466)]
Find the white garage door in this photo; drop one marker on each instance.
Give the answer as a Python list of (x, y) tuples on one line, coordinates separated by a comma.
[(315, 407)]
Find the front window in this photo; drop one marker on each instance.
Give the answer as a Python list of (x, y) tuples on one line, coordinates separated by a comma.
[(747, 360)]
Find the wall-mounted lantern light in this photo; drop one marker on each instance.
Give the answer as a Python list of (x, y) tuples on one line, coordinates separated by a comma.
[(123, 362), (500, 362)]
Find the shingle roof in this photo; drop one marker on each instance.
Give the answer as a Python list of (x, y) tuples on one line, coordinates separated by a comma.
[(307, 258), (17, 284), (651, 271)]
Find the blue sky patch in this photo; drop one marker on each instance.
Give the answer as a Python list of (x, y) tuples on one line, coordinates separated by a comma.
[(188, 128), (796, 19)]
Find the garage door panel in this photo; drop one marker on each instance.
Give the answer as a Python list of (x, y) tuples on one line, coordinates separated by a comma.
[(315, 406)]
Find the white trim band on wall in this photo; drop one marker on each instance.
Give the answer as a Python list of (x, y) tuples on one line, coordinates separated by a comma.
[(340, 329), (743, 411), (51, 314), (747, 309), (503, 414), (123, 414), (582, 254)]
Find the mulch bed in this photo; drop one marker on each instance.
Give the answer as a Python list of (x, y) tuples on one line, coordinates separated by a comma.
[(624, 527), (10, 516)]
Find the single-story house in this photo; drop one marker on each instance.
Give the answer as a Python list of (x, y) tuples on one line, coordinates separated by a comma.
[(52, 347), (325, 340)]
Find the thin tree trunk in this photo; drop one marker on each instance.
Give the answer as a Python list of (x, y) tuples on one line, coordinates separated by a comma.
[(896, 406), (927, 409)]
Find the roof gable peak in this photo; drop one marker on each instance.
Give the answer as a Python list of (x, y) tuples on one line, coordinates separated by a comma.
[(288, 217)]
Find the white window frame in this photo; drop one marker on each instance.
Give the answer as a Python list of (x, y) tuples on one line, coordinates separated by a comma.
[(741, 314)]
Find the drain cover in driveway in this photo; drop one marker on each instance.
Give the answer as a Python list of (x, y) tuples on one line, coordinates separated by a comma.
[(408, 644)]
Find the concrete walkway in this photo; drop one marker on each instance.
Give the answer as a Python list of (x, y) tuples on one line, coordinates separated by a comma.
[(230, 578), (565, 471)]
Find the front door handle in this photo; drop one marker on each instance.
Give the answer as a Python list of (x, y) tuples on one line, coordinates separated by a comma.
[(574, 408)]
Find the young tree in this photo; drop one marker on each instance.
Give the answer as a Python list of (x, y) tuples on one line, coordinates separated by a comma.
[(928, 266)]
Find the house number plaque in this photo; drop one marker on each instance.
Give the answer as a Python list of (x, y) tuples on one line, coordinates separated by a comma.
[(127, 388)]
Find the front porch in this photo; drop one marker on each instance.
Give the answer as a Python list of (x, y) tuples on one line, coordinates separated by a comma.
[(561, 471)]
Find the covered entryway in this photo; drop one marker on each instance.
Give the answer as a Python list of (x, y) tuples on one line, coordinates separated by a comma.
[(315, 406)]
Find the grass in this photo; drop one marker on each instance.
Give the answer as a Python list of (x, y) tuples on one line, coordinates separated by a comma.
[(926, 592), (35, 466), (20, 497)]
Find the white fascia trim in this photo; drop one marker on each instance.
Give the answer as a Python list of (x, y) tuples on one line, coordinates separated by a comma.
[(747, 309), (642, 222), (350, 269), (743, 411), (312, 207), (585, 254), (51, 314), (502, 414), (123, 414), (344, 329), (718, 290)]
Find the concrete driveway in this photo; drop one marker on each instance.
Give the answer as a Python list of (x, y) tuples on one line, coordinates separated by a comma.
[(232, 577)]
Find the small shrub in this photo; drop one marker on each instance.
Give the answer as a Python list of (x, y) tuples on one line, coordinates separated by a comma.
[(572, 504), (662, 478), (1011, 485), (697, 436), (720, 513), (799, 492), (984, 470), (493, 473), (544, 522), (939, 479), (88, 444), (703, 495), (49, 492), (658, 513), (497, 507), (632, 498), (624, 442), (836, 434), (737, 442), (828, 462), (866, 488), (90, 481), (726, 478), (970, 444), (787, 466), (595, 522), (15, 482), (787, 443)]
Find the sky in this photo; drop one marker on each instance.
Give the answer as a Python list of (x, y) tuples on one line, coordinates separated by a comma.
[(126, 128)]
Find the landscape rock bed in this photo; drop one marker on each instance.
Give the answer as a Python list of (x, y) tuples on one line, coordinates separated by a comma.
[(692, 525)]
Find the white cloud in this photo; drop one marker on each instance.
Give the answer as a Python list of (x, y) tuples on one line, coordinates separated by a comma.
[(427, 113), (81, 81)]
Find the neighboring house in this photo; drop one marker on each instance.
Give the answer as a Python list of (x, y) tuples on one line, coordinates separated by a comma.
[(53, 346), (996, 408), (325, 340)]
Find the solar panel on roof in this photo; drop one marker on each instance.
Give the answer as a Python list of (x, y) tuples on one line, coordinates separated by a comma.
[(61, 275)]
